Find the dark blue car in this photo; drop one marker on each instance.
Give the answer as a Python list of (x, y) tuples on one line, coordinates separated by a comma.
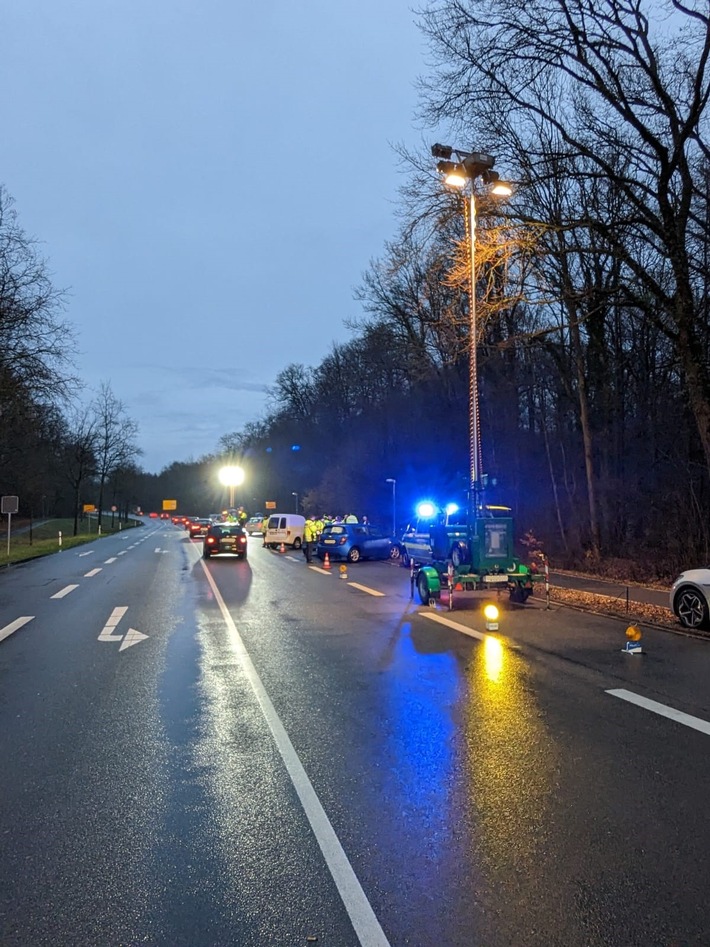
[(353, 541)]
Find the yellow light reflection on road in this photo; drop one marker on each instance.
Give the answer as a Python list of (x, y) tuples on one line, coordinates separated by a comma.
[(512, 766), (493, 655)]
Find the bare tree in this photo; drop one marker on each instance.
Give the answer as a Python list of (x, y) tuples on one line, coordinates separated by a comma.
[(36, 345), (115, 437), (625, 87), (80, 455)]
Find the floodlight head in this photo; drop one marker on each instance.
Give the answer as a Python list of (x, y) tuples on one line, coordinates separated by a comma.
[(442, 151), (453, 173)]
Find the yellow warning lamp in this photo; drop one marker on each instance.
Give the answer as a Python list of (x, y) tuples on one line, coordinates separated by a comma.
[(633, 633), (491, 614)]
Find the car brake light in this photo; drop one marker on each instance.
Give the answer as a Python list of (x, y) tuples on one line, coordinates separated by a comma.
[(242, 539), (210, 539)]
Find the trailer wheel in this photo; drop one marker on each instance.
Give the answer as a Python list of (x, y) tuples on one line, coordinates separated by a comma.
[(517, 594), (423, 588), (459, 555)]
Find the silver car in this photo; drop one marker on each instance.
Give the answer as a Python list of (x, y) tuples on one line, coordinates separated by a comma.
[(690, 598)]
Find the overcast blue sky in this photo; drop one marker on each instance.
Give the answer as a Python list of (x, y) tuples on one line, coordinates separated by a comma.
[(209, 179)]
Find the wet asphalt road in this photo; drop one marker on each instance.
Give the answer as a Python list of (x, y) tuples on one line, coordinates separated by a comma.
[(287, 755)]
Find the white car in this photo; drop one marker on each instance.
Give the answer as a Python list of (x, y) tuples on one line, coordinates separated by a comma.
[(690, 598), (253, 525)]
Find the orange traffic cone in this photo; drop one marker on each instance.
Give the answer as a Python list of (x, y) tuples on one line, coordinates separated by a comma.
[(282, 548), (326, 561)]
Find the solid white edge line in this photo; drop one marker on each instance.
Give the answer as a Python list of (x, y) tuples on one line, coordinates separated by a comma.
[(14, 626), (363, 918), (364, 588), (471, 632), (662, 710)]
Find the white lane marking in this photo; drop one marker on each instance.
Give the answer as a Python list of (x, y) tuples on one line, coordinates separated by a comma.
[(662, 709), (109, 561), (123, 552), (115, 617), (132, 637), (454, 624), (14, 626), (364, 588), (88, 553), (318, 569), (292, 558), (65, 591), (88, 575), (363, 918)]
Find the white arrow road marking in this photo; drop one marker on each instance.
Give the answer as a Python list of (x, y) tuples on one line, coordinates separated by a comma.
[(364, 588), (109, 561), (65, 591), (662, 709), (88, 575), (116, 615), (132, 637), (14, 626)]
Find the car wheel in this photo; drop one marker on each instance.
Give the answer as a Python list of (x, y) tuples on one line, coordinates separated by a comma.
[(395, 552), (354, 555), (297, 543), (691, 608), (404, 558), (423, 588)]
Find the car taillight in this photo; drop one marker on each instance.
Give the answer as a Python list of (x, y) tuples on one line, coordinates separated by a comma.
[(242, 539), (343, 540), (210, 539)]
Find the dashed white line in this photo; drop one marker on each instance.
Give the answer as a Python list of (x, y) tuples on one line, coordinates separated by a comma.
[(123, 552), (88, 575), (318, 569), (364, 588), (109, 561), (471, 632), (695, 723), (14, 626), (65, 591)]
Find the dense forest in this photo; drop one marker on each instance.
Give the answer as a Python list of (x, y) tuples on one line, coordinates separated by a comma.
[(591, 288)]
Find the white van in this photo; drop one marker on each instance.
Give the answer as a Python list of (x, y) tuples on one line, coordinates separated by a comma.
[(286, 528)]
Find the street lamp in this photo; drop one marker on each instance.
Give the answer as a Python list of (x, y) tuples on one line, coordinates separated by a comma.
[(394, 505), (294, 494), (231, 477), (468, 166)]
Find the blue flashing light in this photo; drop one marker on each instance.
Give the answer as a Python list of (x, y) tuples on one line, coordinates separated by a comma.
[(295, 447), (451, 508), (426, 509), (269, 449)]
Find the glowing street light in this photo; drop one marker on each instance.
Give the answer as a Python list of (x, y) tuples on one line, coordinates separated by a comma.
[(231, 477), (468, 166), (294, 494)]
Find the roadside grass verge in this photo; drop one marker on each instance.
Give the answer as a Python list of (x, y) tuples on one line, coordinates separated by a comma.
[(43, 539)]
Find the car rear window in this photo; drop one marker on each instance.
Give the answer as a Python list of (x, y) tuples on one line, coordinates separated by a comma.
[(335, 530)]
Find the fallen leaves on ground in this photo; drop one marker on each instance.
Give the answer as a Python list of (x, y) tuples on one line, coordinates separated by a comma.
[(609, 605)]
